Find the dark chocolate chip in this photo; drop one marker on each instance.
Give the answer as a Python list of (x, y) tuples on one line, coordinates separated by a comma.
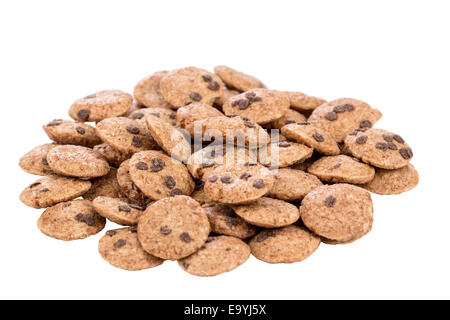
[(243, 104), (87, 218), (207, 78), (111, 233), (249, 124), (44, 190), (255, 99), (176, 192), (391, 146), (44, 161), (318, 137), (387, 137), (250, 95), (137, 207), (353, 133), (34, 185), (304, 123), (213, 179), (172, 116), (137, 115), (331, 116), (339, 109), (124, 208), (185, 237), (141, 166), (157, 164), (245, 118), (259, 184), (208, 164), (119, 243), (284, 144), (349, 107), (170, 182), (185, 264), (406, 153), (245, 176), (195, 96), (136, 141), (365, 124), (226, 179), (289, 121), (83, 114), (214, 86), (330, 201), (398, 139), (381, 145), (132, 129), (80, 130), (361, 139), (165, 230)]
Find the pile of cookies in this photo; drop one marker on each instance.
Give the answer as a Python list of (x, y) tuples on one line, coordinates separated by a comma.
[(208, 168)]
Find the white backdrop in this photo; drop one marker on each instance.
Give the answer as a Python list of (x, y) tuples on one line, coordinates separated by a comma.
[(392, 54)]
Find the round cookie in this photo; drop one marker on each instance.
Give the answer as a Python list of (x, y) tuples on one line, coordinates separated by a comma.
[(223, 220), (341, 116), (183, 86), (77, 161), (238, 183), (304, 165), (337, 242), (148, 92), (283, 154), (302, 102), (380, 148), (52, 189), (69, 132), (290, 116), (104, 186), (128, 187), (284, 245), (126, 135), (291, 184), (135, 106), (199, 195), (159, 176), (218, 255), (237, 80), (268, 213), (169, 138), (173, 228), (341, 168), (113, 156), (166, 115), (35, 161), (393, 181), (72, 220), (312, 136), (188, 115), (338, 212), (226, 94), (101, 105), (259, 105), (121, 249), (117, 210)]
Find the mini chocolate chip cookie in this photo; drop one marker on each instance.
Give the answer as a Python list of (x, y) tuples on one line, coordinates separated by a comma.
[(69, 132), (158, 175), (342, 168), (183, 86), (77, 161), (101, 105), (393, 181), (259, 105), (52, 189), (117, 210), (173, 228), (188, 116), (283, 154), (199, 195), (135, 106), (284, 245), (290, 116), (122, 249), (238, 80), (226, 94), (72, 220), (224, 220), (104, 186), (339, 212), (113, 156), (166, 115), (148, 92), (380, 148), (128, 187), (291, 184), (302, 102), (268, 213), (218, 255), (35, 161)]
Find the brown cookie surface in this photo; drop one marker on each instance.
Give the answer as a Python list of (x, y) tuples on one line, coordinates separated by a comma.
[(118, 210), (35, 161), (290, 116), (147, 91), (238, 80), (113, 156), (188, 115), (303, 102), (164, 114), (283, 154), (128, 187), (104, 186), (291, 184), (70, 132), (393, 181)]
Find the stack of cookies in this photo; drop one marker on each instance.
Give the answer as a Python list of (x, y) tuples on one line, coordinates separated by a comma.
[(208, 168)]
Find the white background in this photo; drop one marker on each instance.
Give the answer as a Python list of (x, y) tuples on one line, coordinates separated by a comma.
[(392, 54)]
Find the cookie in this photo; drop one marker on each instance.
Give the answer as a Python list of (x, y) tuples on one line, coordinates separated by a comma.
[(342, 168), (238, 183), (283, 154), (380, 148), (291, 184), (393, 181), (268, 213), (188, 116), (199, 195), (173, 228), (52, 189), (183, 86), (35, 161), (341, 116), (218, 255), (226, 94), (337, 242), (290, 116), (304, 165), (106, 186), (148, 92), (302, 102), (126, 135), (69, 132), (259, 105), (224, 220), (284, 245), (166, 115), (135, 106), (77, 161), (113, 156), (312, 136), (72, 220), (122, 249), (101, 105), (238, 80), (338, 212), (159, 176), (117, 210), (169, 138), (128, 187)]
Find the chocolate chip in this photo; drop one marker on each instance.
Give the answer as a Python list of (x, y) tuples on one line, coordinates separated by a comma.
[(80, 130), (387, 137), (339, 109), (365, 124), (195, 96), (165, 230), (208, 164), (141, 166), (44, 190), (330, 201), (213, 179), (207, 78), (249, 124), (231, 115), (176, 192), (348, 107), (226, 179), (157, 164), (318, 137), (361, 139), (289, 121), (67, 204), (392, 146), (137, 115), (406, 153), (124, 208), (250, 95), (170, 182), (259, 184), (111, 233), (83, 114), (34, 185), (87, 218), (54, 123), (214, 86), (353, 133), (245, 118), (284, 144), (44, 161), (231, 222), (156, 115), (245, 176), (331, 116), (266, 234), (137, 207), (132, 129), (185, 237), (119, 243), (249, 164), (185, 264), (381, 145), (243, 104), (136, 141), (172, 116), (304, 123), (398, 139), (255, 99)]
